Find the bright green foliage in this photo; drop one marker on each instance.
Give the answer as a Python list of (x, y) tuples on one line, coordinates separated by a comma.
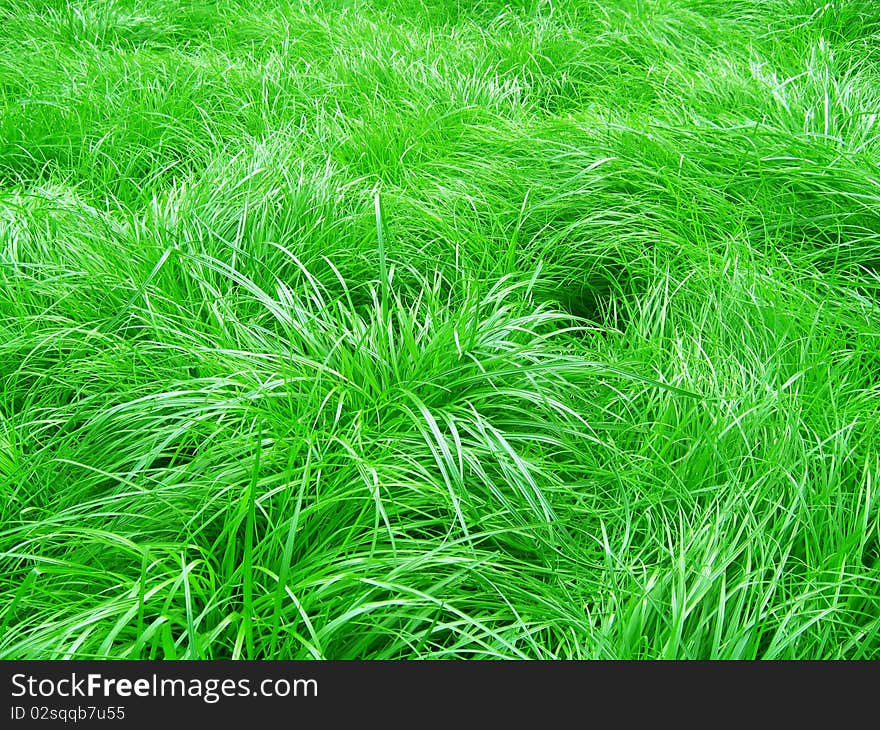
[(396, 329)]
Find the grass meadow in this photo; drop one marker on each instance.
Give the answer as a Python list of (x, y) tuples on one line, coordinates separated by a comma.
[(396, 329)]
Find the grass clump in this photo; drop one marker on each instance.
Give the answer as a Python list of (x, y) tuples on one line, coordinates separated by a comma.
[(363, 329)]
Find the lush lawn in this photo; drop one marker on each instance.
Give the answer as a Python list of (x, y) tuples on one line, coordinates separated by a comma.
[(415, 328)]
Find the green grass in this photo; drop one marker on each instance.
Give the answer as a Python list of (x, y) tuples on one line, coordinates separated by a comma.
[(396, 329)]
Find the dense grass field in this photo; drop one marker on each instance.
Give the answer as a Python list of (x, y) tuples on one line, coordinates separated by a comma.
[(440, 329)]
